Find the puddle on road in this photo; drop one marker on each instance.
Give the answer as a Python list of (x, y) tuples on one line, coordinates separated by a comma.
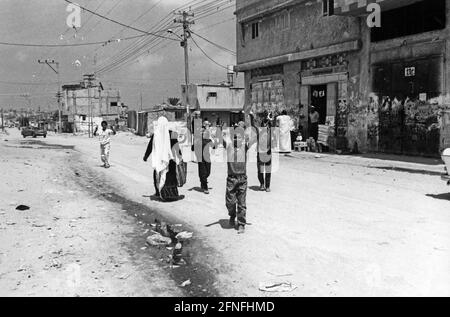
[(40, 145), (202, 277)]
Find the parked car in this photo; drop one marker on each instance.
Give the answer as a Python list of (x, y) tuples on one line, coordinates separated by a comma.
[(34, 132)]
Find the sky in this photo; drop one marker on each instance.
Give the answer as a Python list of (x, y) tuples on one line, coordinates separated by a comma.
[(157, 74)]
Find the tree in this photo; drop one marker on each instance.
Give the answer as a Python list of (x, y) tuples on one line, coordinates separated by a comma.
[(173, 101)]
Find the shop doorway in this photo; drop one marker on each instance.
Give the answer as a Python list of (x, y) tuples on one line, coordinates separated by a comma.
[(319, 101), (408, 121)]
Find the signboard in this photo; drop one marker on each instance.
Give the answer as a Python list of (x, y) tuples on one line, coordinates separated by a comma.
[(410, 71)]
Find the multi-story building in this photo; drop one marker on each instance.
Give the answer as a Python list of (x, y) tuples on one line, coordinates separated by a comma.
[(383, 88), (87, 104), (219, 104)]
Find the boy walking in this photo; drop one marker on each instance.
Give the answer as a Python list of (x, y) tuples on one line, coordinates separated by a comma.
[(105, 142), (236, 147)]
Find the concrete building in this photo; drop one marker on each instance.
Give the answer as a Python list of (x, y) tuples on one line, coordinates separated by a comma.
[(82, 101), (383, 89), (217, 103)]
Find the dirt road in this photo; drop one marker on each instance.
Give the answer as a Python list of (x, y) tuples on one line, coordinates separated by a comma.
[(331, 227), (70, 242)]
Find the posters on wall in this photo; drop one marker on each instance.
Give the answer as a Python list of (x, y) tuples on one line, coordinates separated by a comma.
[(267, 96)]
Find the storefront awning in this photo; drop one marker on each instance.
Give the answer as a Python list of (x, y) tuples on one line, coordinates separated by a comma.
[(293, 57)]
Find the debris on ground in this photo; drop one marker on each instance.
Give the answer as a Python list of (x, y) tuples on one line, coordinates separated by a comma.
[(161, 227), (56, 264), (157, 240), (186, 283), (183, 236), (123, 276), (177, 253), (23, 207), (275, 287)]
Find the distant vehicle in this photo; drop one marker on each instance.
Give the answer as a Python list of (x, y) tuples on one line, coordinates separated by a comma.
[(34, 132)]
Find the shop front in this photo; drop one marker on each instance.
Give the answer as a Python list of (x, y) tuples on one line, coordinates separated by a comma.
[(324, 86)]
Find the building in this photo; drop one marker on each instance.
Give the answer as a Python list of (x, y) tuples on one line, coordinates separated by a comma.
[(383, 89), (218, 104), (143, 122), (86, 100)]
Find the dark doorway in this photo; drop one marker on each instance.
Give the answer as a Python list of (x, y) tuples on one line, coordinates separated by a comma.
[(408, 120), (319, 100), (235, 117)]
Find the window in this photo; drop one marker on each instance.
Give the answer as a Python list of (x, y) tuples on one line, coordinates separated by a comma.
[(113, 104), (179, 115), (282, 21), (255, 30), (328, 7), (212, 95), (420, 17)]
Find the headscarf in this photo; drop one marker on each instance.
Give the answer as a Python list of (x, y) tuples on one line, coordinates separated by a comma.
[(162, 150)]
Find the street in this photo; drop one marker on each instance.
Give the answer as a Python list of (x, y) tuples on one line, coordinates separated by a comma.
[(332, 225)]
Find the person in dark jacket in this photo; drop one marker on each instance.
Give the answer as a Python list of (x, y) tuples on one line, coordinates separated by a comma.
[(264, 152), (203, 144)]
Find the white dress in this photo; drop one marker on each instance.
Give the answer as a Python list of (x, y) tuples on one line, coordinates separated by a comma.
[(286, 125)]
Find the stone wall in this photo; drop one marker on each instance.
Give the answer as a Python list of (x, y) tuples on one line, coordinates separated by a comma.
[(308, 29)]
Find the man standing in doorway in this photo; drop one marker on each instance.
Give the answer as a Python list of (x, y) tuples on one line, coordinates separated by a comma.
[(314, 118), (105, 142)]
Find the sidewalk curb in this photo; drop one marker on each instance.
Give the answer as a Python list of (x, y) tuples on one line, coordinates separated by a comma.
[(373, 163)]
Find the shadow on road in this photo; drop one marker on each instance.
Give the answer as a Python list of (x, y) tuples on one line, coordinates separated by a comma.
[(224, 223), (445, 196), (197, 189), (255, 188)]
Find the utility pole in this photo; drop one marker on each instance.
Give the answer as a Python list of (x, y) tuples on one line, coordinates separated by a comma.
[(3, 122), (184, 43), (89, 78), (56, 70)]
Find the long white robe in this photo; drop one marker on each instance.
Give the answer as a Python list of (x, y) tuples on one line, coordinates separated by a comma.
[(286, 125)]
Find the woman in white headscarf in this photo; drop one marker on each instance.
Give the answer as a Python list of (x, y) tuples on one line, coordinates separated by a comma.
[(166, 155)]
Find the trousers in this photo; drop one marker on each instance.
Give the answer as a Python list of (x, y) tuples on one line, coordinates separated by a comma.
[(236, 197)]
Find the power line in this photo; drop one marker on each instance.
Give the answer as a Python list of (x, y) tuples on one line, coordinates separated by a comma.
[(215, 44), (120, 23), (137, 49), (90, 18), (73, 45), (124, 57), (210, 58), (100, 21)]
